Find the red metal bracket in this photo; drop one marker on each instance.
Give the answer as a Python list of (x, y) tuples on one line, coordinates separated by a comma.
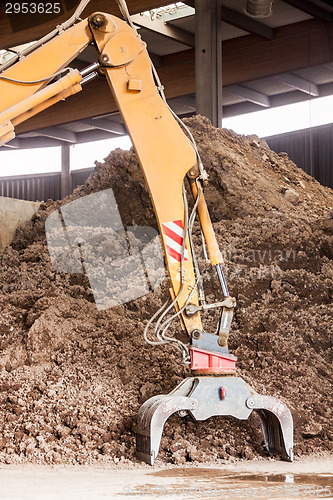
[(207, 362)]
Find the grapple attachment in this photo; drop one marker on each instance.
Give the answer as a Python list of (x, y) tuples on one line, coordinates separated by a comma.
[(204, 397)]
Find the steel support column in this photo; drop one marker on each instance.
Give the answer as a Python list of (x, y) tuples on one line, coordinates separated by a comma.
[(208, 60), (66, 180)]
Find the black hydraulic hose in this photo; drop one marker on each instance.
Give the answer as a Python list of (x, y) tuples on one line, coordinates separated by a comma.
[(222, 280)]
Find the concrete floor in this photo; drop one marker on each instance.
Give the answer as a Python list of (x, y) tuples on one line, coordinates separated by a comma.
[(306, 478)]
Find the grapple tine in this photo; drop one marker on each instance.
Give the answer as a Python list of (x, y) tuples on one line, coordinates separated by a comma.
[(277, 425), (204, 397), (151, 419)]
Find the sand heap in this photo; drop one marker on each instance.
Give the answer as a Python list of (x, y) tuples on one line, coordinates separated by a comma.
[(73, 377)]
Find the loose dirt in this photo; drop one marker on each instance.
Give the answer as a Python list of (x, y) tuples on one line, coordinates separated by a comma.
[(73, 377)]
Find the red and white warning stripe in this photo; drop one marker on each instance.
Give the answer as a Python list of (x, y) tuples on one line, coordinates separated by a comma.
[(173, 237)]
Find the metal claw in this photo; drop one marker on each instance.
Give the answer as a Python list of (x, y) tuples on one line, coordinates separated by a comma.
[(204, 397), (277, 425), (151, 419)]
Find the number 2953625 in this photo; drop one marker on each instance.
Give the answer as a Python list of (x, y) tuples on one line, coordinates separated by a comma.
[(32, 7)]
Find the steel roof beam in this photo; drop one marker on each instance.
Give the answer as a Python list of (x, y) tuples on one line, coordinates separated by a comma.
[(249, 95), (311, 9), (185, 100), (182, 106), (299, 84), (94, 135), (58, 133), (164, 29), (45, 142), (246, 23), (243, 22), (296, 96), (13, 144), (105, 125), (30, 142)]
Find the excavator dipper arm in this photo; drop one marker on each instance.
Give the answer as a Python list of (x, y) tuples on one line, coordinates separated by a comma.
[(167, 154)]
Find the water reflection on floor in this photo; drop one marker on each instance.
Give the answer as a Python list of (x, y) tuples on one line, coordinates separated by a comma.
[(216, 483)]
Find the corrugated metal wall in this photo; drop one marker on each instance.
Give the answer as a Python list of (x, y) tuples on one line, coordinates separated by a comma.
[(31, 187), (311, 149), (39, 187), (79, 176)]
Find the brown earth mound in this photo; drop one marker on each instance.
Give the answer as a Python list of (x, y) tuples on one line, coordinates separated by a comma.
[(73, 377)]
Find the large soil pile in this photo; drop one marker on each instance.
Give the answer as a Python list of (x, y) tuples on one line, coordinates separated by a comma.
[(73, 377)]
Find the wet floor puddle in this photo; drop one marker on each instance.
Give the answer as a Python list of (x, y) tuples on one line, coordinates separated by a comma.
[(214, 483)]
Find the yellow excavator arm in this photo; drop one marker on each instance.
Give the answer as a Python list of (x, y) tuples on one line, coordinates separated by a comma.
[(167, 154)]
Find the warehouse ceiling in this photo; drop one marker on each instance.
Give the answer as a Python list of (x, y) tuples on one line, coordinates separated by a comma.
[(281, 59)]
